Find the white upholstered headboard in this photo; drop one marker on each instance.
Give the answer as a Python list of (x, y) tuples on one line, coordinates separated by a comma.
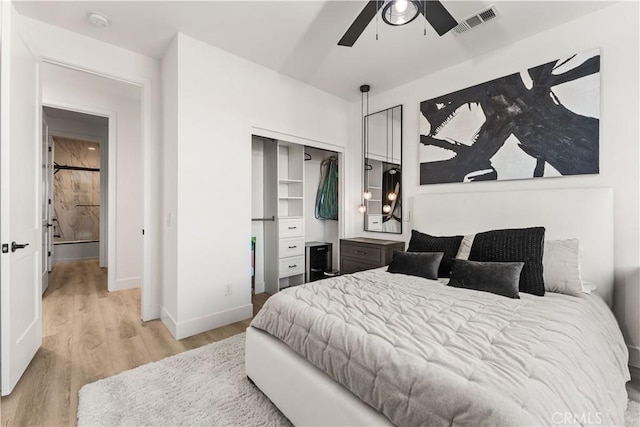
[(585, 214)]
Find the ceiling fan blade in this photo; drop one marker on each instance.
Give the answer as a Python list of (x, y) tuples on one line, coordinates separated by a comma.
[(360, 23), (439, 17)]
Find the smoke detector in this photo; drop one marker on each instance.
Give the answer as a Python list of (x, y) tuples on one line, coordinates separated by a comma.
[(475, 20), (98, 19)]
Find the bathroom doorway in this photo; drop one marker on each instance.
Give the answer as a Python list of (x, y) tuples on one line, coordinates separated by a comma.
[(78, 186)]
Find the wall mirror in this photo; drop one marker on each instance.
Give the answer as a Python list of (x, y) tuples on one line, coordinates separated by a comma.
[(383, 171)]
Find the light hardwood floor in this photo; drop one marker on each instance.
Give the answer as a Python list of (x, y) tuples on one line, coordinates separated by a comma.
[(89, 334)]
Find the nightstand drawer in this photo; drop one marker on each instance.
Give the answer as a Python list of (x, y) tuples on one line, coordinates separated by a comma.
[(291, 266), (348, 266), (361, 253), (291, 247), (291, 227)]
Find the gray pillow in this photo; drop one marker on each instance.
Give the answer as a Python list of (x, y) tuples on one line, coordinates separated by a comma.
[(448, 245), (501, 278), (421, 264)]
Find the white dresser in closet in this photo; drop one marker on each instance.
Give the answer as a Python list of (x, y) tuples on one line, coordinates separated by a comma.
[(284, 195)]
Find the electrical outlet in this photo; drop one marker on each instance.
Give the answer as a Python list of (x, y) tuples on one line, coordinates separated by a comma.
[(227, 290)]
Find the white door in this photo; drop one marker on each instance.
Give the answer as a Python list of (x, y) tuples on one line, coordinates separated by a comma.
[(47, 225), (20, 217)]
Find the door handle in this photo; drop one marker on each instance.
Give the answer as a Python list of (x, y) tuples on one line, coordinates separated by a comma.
[(49, 225), (15, 246)]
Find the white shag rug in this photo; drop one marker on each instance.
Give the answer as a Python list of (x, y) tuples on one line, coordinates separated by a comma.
[(205, 386)]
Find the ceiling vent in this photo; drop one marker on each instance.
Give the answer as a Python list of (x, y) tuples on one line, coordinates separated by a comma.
[(475, 20)]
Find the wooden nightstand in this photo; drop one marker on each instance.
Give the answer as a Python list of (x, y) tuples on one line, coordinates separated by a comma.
[(361, 253)]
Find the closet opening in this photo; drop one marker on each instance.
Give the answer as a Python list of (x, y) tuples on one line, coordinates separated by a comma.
[(295, 214)]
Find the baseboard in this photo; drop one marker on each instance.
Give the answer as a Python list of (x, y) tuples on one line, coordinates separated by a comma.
[(634, 356), (168, 321), (130, 283), (81, 258), (211, 321)]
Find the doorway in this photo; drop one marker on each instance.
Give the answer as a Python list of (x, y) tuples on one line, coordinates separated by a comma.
[(293, 209), (77, 193), (114, 107)]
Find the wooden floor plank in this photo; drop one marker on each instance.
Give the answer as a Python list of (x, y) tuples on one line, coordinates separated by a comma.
[(91, 333)]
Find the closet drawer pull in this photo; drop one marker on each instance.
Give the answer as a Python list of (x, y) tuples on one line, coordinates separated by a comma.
[(292, 228), (360, 252), (292, 247), (293, 266)]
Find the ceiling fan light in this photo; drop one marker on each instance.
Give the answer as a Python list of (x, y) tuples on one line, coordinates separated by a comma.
[(400, 12)]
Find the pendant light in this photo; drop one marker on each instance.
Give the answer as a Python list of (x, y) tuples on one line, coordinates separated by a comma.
[(400, 12), (366, 195)]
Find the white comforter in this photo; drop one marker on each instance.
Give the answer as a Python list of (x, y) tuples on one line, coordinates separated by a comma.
[(423, 353)]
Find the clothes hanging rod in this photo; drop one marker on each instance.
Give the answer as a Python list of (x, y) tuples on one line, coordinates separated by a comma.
[(58, 167), (273, 218)]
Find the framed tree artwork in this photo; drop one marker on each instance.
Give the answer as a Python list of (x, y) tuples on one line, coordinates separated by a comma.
[(541, 122)]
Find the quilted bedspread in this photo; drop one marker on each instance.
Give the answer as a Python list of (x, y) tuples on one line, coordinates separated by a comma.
[(423, 353)]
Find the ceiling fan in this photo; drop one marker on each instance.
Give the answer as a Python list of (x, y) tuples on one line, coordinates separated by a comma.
[(400, 12)]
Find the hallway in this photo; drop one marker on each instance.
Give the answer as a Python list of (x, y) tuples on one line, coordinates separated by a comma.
[(89, 334)]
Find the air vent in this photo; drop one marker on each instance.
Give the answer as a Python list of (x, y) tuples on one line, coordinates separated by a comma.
[(475, 20)]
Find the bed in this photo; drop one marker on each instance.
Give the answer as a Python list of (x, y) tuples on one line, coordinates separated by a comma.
[(375, 348)]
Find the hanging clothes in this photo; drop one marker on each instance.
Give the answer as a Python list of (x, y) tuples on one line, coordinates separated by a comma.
[(327, 195)]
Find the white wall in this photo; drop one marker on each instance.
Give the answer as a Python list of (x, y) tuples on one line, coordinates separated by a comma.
[(61, 46), (221, 100), (68, 87), (318, 230), (169, 236), (615, 31)]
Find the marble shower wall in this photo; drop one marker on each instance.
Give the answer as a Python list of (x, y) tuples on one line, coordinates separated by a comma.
[(76, 194)]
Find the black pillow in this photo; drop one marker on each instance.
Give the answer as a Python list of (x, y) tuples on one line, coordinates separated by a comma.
[(500, 278), (448, 245), (421, 264), (514, 245)]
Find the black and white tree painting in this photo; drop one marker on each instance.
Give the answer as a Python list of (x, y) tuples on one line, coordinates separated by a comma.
[(541, 122)]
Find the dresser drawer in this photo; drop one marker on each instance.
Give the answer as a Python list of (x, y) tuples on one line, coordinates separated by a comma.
[(374, 222), (291, 227), (290, 247), (348, 266), (291, 266), (361, 253)]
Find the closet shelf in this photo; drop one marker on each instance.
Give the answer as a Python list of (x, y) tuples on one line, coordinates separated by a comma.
[(290, 198), (372, 187), (290, 181), (374, 200), (290, 217)]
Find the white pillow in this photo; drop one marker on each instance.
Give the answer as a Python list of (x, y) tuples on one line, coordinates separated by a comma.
[(465, 247), (561, 267), (560, 263)]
